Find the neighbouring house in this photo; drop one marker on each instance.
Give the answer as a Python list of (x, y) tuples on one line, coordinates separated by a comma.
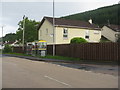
[(0, 45), (111, 32), (65, 30), (13, 43)]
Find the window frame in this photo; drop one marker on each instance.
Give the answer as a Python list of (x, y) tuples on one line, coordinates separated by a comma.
[(87, 34), (65, 33), (96, 32)]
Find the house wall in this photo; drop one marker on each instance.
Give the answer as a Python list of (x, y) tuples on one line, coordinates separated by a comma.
[(109, 33), (75, 32), (43, 35), (72, 32), (95, 37)]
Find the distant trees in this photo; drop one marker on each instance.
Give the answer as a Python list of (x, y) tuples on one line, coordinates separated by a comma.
[(100, 16), (31, 32), (7, 49), (10, 37)]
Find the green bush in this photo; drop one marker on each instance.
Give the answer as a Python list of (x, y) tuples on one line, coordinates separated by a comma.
[(78, 40), (118, 40), (7, 49)]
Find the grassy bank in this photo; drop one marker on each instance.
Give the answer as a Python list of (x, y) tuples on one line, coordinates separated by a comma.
[(48, 57), (101, 62), (60, 58), (0, 51)]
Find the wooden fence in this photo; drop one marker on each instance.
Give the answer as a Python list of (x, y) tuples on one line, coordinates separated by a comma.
[(19, 49), (88, 51)]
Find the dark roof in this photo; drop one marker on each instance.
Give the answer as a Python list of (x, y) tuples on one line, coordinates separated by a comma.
[(11, 42), (70, 23), (114, 27)]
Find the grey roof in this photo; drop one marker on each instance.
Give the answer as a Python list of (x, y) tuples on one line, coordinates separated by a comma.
[(70, 23), (114, 27)]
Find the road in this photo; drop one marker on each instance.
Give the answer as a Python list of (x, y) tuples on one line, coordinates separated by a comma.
[(0, 71), (23, 73)]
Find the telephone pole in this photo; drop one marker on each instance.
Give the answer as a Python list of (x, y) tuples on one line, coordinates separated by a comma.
[(2, 34), (53, 31), (23, 32)]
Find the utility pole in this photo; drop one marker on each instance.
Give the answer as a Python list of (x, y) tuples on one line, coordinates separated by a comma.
[(23, 32), (2, 36), (53, 31), (2, 30)]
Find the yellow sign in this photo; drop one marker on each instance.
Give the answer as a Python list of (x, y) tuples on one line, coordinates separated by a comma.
[(42, 41)]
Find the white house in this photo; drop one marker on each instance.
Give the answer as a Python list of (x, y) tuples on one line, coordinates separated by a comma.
[(65, 30), (111, 32)]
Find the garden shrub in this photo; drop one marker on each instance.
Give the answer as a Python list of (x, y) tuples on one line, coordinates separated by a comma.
[(78, 40), (7, 49)]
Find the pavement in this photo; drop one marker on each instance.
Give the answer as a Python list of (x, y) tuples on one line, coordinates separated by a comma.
[(25, 73)]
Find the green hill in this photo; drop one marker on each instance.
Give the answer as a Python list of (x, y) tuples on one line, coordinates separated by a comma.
[(100, 16)]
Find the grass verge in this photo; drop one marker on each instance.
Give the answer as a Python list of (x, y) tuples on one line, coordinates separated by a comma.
[(101, 62), (61, 58), (48, 57)]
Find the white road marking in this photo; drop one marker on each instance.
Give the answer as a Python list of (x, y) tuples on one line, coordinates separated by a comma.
[(58, 65), (57, 80), (63, 66)]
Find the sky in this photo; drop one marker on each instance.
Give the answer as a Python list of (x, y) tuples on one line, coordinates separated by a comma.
[(12, 11)]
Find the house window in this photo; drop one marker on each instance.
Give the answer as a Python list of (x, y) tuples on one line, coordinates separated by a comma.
[(65, 33), (96, 32), (87, 37), (46, 31), (87, 34), (117, 35)]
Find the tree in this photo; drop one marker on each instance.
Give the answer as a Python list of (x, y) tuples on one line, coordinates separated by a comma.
[(118, 40), (10, 37), (31, 32), (99, 16), (7, 49), (78, 40)]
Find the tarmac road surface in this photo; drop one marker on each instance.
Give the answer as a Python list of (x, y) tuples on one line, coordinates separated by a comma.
[(23, 73)]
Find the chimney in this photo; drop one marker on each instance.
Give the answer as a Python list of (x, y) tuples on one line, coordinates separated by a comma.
[(108, 22), (90, 21)]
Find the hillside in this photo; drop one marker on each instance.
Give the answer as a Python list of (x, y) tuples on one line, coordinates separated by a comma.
[(100, 16)]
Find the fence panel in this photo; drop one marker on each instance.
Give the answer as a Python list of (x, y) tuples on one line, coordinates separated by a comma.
[(85, 51), (89, 51), (19, 49)]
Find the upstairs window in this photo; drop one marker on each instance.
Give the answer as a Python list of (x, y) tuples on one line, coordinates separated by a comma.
[(86, 37), (65, 33), (96, 32)]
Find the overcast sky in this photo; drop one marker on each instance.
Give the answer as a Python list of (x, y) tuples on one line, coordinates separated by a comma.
[(12, 11)]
